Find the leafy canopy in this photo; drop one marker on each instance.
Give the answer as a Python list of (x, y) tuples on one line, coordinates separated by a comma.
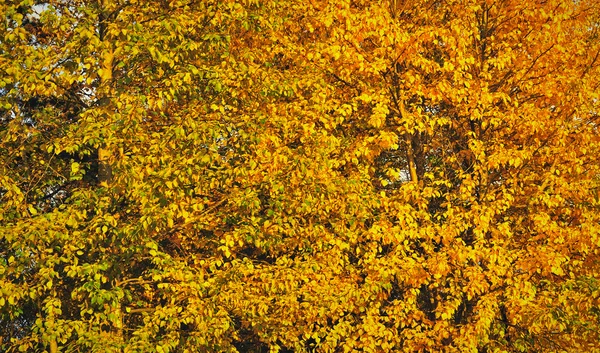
[(294, 176)]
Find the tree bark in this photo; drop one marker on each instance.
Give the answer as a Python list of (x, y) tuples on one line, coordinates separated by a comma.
[(412, 166), (104, 167)]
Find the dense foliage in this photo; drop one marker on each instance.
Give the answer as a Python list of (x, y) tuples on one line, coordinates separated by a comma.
[(293, 176)]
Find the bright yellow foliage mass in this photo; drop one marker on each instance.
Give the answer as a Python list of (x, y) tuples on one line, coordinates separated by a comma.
[(300, 176)]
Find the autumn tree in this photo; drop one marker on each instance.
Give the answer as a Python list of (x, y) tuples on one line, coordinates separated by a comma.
[(292, 176)]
